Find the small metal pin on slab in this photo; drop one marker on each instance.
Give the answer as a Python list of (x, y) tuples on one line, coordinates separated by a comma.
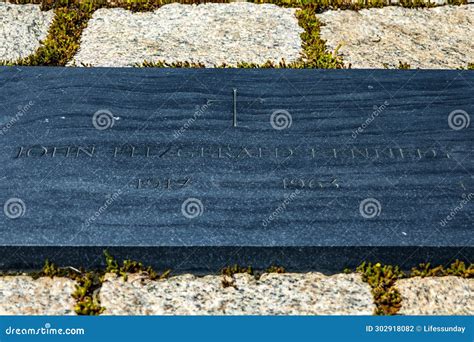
[(234, 123), (234, 114)]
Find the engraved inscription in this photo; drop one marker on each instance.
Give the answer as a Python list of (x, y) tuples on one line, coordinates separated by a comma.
[(162, 183), (233, 153), (309, 183)]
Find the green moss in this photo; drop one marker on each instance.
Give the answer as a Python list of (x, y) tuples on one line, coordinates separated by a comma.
[(86, 294), (163, 64), (470, 66), (347, 271), (416, 4), (231, 270), (457, 2), (315, 54), (86, 288), (71, 17), (88, 283), (148, 5), (457, 268), (381, 279), (403, 65), (131, 266), (63, 37), (275, 269)]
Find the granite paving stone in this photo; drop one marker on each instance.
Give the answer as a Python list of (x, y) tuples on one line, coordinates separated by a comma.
[(212, 34), (21, 30), (23, 295), (437, 296), (427, 38), (272, 294)]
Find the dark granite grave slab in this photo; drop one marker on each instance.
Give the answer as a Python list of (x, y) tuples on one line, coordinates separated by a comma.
[(198, 169)]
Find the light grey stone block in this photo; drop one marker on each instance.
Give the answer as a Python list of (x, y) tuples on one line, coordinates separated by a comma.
[(272, 294), (439, 37), (209, 33), (21, 30), (21, 295), (436, 296)]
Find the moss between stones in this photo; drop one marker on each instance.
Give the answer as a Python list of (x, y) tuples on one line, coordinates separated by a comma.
[(72, 16), (88, 283), (321, 5), (131, 266), (382, 279), (63, 37), (87, 286), (234, 269), (401, 65), (228, 273), (314, 55), (231, 270), (457, 268)]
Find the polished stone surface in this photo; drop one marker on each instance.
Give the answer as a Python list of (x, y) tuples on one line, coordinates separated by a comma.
[(312, 169)]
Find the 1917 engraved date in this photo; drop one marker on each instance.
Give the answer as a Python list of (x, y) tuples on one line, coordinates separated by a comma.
[(162, 183)]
